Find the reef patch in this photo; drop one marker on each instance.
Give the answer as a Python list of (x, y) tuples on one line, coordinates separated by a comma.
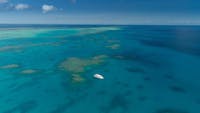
[(114, 46), (25, 107), (77, 78), (170, 110), (178, 89), (9, 66), (29, 71), (78, 66)]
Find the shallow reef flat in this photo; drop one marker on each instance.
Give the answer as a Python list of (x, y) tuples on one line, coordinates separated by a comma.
[(95, 30), (9, 48), (59, 32), (29, 71), (9, 66), (76, 78), (114, 46)]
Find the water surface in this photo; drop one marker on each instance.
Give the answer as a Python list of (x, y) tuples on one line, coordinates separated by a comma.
[(147, 69)]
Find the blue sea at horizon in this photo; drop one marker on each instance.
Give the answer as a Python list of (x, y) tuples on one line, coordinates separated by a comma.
[(147, 69)]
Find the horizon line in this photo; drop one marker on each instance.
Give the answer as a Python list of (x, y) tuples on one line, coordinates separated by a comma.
[(101, 24)]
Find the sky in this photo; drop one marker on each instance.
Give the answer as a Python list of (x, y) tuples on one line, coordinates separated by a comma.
[(134, 12)]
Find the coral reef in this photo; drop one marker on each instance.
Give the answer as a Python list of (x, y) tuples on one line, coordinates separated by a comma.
[(142, 98), (141, 57), (102, 92), (169, 77), (147, 78), (113, 41), (20, 47), (9, 66), (71, 102), (176, 88), (77, 78), (95, 30), (135, 70), (118, 101), (28, 71), (140, 87), (25, 107), (170, 110), (77, 66), (114, 46), (119, 57)]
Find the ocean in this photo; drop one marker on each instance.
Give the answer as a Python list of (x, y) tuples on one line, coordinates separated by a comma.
[(146, 69)]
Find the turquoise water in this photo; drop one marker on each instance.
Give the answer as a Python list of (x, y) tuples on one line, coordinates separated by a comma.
[(147, 69)]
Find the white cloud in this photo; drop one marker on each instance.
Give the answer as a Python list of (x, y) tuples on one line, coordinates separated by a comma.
[(3, 1), (21, 6), (46, 8)]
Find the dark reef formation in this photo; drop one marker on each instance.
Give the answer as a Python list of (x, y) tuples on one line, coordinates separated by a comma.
[(170, 110), (171, 44), (135, 70), (140, 87), (118, 101), (65, 106), (25, 107), (142, 98), (144, 58), (147, 78), (178, 89), (169, 77)]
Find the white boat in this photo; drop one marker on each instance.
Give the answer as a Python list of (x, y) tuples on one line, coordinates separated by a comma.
[(98, 76)]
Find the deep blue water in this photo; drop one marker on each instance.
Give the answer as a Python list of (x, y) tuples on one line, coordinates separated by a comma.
[(147, 69)]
